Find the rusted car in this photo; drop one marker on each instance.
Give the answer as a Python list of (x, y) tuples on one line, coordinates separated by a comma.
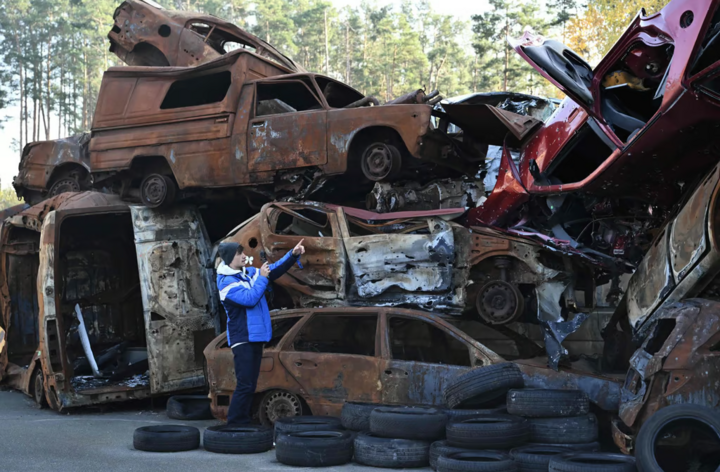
[(672, 310), (424, 260), (633, 136), (234, 122), (146, 34), (141, 282), (320, 358)]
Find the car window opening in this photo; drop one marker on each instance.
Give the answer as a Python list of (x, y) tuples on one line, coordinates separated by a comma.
[(285, 97), (336, 94), (709, 52), (204, 90), (338, 334), (419, 341), (581, 157), (661, 333), (633, 88), (280, 328), (315, 224)]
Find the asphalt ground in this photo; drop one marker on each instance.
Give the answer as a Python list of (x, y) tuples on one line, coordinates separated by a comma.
[(94, 439)]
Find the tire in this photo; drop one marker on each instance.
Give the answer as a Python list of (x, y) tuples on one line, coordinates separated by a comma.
[(581, 447), (480, 386), (489, 432), (459, 415), (38, 383), (538, 403), (314, 448), (356, 416), (592, 462), (535, 458), (441, 448), (573, 430), (189, 408), (157, 191), (390, 453), (476, 461), (238, 439), (425, 424), (277, 404), (381, 161), (297, 424), (166, 438), (648, 453)]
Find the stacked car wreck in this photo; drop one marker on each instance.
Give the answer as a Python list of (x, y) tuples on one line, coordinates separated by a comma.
[(510, 220)]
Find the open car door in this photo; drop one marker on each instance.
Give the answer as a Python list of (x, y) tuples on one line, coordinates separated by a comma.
[(179, 305)]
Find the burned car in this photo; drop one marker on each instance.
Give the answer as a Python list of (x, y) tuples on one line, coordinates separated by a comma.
[(320, 358), (630, 139), (234, 123), (671, 308), (146, 34), (131, 282)]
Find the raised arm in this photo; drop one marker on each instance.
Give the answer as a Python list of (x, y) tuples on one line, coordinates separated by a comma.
[(277, 269), (241, 293)]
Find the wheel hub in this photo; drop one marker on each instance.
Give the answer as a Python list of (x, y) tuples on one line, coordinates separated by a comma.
[(154, 190), (281, 405), (65, 185), (499, 302), (379, 161)]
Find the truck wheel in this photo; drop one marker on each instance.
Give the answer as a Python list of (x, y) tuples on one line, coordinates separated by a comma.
[(381, 161), (157, 191), (39, 389), (67, 182)]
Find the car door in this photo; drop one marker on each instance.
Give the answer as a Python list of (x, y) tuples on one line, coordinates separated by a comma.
[(179, 304), (420, 357), (322, 275), (418, 258), (335, 357), (288, 129)]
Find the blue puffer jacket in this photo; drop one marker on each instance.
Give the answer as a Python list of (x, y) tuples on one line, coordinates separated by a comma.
[(242, 293)]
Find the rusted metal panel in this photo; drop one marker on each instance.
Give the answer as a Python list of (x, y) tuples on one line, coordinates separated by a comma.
[(489, 124), (178, 301), (676, 363), (145, 35), (386, 197)]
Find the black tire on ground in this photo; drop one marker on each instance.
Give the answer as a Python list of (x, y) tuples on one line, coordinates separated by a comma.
[(538, 403), (489, 432), (592, 462), (698, 425), (441, 448), (476, 461), (166, 438), (238, 439), (459, 415), (189, 407), (573, 430), (583, 447), (482, 385), (375, 451), (315, 448), (534, 458), (356, 416), (297, 424), (425, 424)]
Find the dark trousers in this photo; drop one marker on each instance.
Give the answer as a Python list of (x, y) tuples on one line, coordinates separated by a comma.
[(247, 368)]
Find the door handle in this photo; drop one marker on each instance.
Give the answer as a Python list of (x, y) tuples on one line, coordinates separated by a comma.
[(258, 124), (222, 120), (395, 371), (298, 364)]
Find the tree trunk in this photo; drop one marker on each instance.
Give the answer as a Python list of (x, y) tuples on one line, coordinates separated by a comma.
[(47, 91), (347, 53), (507, 53), (327, 47)]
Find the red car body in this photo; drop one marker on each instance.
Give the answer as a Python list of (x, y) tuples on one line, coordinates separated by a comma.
[(641, 126)]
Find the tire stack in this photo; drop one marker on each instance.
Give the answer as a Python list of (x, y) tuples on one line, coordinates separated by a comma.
[(312, 441)]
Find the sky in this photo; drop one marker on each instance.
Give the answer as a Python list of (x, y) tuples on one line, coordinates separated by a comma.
[(9, 158)]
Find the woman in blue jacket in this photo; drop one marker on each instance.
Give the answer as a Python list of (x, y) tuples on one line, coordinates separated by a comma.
[(242, 293)]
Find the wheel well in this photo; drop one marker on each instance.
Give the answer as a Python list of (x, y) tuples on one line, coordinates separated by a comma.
[(153, 164), (65, 169), (371, 135)]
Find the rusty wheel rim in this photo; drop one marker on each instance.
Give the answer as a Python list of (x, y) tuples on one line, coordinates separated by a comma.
[(67, 184), (282, 405), (154, 190), (499, 302), (377, 161)]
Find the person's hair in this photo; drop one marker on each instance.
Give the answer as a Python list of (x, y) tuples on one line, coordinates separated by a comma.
[(240, 249)]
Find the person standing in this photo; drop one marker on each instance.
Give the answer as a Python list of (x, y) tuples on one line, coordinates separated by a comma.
[(242, 294)]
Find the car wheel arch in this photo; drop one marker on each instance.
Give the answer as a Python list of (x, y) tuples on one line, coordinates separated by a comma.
[(366, 136)]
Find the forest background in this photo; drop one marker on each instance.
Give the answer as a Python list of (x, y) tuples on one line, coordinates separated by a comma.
[(53, 53)]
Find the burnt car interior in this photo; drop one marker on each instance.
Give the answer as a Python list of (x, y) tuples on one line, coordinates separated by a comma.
[(301, 222), (412, 339), (22, 261), (220, 40), (274, 98), (565, 66), (203, 90), (98, 271)]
